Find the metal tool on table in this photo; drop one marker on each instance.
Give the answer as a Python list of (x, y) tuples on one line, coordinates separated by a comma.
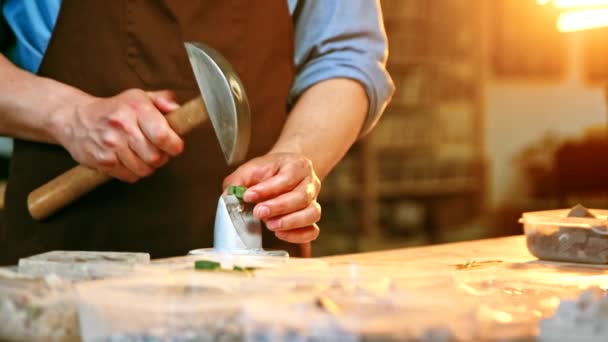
[(237, 231), (223, 101), (236, 228)]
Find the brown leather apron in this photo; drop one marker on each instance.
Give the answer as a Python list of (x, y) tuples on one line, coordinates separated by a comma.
[(104, 47)]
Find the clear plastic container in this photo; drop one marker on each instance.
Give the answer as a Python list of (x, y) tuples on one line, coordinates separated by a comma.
[(193, 306), (339, 316), (174, 306), (510, 299), (365, 302), (297, 318), (38, 299), (552, 235), (37, 309), (511, 311), (77, 265)]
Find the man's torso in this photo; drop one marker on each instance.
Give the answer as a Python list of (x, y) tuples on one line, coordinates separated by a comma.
[(106, 47)]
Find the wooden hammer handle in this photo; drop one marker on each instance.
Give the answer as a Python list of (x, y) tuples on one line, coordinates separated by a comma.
[(74, 183)]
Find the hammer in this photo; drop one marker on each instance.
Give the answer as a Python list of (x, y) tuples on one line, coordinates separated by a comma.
[(223, 101)]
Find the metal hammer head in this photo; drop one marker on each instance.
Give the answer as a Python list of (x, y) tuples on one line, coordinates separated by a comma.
[(225, 99)]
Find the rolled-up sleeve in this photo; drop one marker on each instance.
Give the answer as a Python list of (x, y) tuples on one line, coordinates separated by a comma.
[(342, 39)]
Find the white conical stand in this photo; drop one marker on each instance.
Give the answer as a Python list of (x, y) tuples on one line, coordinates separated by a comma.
[(226, 239)]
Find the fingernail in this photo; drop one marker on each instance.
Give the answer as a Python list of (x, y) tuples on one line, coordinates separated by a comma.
[(261, 212), (251, 196), (273, 224)]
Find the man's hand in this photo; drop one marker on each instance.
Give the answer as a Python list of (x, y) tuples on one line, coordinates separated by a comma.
[(125, 136), (284, 187)]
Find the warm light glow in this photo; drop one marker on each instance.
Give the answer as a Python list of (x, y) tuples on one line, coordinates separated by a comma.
[(577, 3), (574, 3), (582, 20)]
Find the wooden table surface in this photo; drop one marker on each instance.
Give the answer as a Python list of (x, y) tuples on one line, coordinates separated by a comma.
[(484, 290), (509, 249), (508, 252)]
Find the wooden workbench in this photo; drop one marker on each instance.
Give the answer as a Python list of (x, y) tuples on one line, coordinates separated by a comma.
[(486, 290), (509, 249)]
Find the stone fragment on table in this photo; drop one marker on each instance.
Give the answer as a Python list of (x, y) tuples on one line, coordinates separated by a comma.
[(581, 320), (580, 211)]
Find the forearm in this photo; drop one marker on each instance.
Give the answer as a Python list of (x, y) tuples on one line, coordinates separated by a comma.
[(325, 122), (31, 106)]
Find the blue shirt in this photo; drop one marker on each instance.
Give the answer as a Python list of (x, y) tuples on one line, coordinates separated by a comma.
[(333, 39)]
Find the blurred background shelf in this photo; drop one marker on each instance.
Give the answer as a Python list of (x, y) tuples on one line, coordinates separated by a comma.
[(424, 161), (431, 187), (421, 188)]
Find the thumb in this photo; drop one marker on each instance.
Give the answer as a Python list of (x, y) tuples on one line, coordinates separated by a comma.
[(164, 100)]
